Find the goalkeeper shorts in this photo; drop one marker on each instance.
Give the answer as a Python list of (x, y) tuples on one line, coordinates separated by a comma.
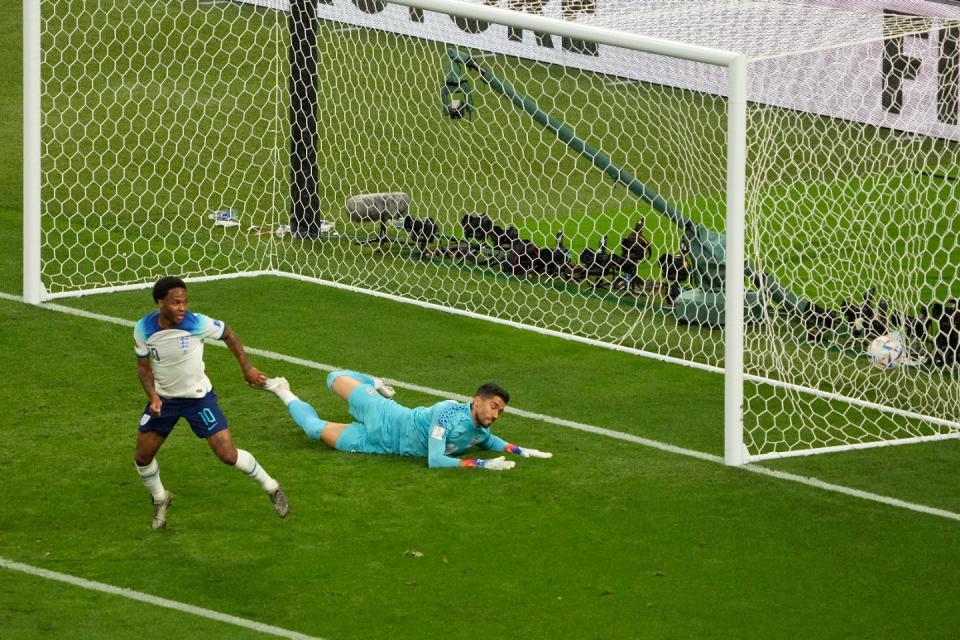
[(379, 426), (354, 439)]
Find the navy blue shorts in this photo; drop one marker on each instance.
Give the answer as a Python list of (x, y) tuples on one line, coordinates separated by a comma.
[(203, 414)]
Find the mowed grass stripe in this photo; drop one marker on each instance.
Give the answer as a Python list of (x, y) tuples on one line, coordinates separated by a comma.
[(154, 600), (561, 422)]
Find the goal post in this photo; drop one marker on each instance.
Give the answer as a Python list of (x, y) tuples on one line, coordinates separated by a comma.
[(753, 190), (32, 285), (734, 452)]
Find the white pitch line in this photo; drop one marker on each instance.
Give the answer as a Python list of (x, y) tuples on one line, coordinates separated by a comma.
[(856, 493), (579, 426), (154, 600)]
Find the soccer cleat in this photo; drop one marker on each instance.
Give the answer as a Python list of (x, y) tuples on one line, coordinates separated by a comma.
[(280, 504), (276, 385), (160, 511), (383, 388)]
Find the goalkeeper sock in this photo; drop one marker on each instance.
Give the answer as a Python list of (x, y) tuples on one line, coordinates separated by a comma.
[(248, 464), (359, 377), (286, 396), (150, 477), (306, 416), (281, 387)]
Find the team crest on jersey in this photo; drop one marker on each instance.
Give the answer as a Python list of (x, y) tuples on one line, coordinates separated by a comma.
[(371, 392), (184, 342)]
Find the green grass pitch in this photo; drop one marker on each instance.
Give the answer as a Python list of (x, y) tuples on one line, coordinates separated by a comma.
[(609, 539)]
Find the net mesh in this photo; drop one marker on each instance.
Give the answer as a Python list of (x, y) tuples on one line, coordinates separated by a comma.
[(155, 117), (859, 220), (583, 190)]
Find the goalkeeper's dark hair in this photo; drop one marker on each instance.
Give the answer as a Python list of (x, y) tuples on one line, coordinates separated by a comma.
[(491, 389), (163, 286)]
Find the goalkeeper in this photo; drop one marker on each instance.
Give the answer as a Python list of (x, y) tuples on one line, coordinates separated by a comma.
[(438, 432)]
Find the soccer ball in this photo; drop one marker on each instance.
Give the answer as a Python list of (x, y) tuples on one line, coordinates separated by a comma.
[(886, 351)]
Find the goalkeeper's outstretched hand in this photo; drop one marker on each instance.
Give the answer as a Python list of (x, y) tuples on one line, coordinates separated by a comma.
[(494, 464), (526, 452)]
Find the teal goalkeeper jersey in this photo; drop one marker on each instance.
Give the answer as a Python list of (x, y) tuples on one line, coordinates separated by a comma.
[(446, 429)]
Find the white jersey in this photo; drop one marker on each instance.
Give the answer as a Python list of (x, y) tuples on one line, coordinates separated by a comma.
[(176, 355)]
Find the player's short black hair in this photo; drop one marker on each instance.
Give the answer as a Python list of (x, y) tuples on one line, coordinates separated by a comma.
[(491, 389), (163, 286)]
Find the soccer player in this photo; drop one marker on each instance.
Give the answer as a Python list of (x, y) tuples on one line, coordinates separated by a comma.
[(169, 347), (438, 433)]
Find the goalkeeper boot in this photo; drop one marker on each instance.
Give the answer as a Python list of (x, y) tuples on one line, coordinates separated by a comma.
[(383, 388), (276, 384), (281, 388), (280, 504), (160, 511)]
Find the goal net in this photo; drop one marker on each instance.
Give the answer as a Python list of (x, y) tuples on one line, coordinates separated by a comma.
[(574, 167), (852, 200), (156, 117)]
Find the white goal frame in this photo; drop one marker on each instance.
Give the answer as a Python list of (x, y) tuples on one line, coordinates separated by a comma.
[(736, 68)]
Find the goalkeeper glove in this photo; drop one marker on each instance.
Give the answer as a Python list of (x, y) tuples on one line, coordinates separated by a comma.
[(527, 452), (534, 453), (493, 464)]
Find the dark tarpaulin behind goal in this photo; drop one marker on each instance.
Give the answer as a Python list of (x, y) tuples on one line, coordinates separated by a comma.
[(304, 200)]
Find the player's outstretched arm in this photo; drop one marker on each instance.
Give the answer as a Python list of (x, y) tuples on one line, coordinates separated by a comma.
[(253, 375), (495, 443), (437, 458)]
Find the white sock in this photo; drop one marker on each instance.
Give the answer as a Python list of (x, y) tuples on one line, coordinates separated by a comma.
[(248, 464), (150, 477), (286, 396), (281, 389)]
